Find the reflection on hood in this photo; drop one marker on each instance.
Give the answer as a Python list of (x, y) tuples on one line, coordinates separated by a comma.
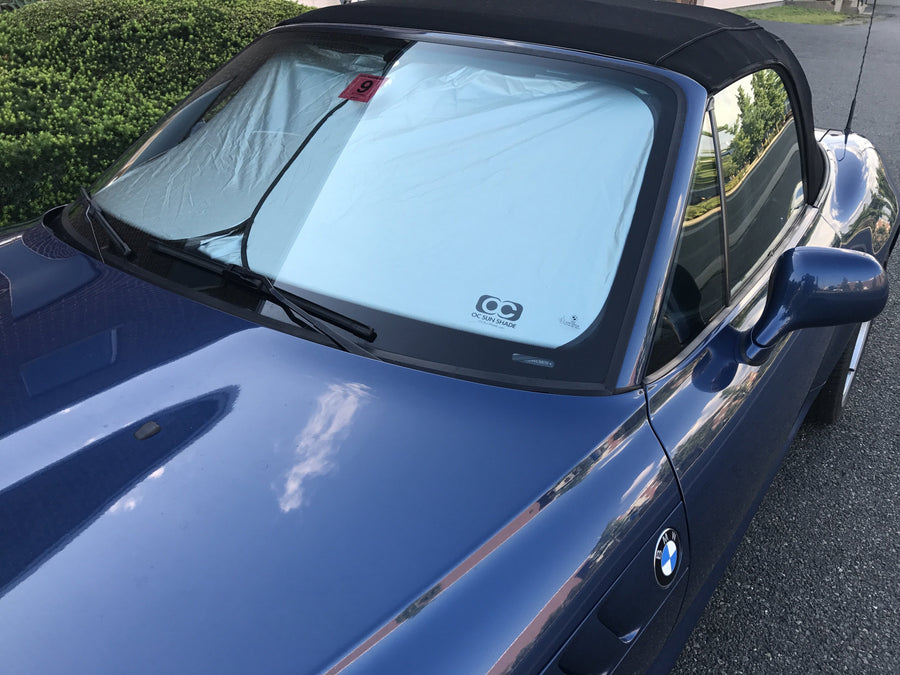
[(321, 438), (41, 513)]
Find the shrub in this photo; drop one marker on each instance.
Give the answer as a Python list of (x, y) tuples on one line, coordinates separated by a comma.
[(80, 80), (10, 5)]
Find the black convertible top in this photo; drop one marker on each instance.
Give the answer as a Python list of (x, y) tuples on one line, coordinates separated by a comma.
[(713, 47)]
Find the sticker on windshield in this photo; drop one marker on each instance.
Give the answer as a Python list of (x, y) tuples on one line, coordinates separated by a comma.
[(501, 313), (362, 88), (570, 320)]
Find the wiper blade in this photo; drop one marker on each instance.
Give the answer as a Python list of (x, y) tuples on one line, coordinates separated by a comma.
[(308, 310), (310, 313), (91, 210)]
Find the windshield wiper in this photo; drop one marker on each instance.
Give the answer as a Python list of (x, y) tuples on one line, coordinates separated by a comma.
[(91, 209), (308, 312)]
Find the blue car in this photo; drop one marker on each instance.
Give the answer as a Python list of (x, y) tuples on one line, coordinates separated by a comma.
[(434, 336)]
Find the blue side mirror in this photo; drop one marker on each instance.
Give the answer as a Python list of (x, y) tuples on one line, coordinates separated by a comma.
[(812, 287)]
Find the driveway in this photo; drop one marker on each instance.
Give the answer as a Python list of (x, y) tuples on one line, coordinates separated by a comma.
[(813, 586)]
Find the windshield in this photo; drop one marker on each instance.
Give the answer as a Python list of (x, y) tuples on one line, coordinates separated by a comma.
[(482, 192)]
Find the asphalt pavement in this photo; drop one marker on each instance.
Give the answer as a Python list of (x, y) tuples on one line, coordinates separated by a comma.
[(814, 586)]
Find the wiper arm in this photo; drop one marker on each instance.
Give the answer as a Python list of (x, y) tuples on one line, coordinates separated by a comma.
[(310, 313), (91, 209)]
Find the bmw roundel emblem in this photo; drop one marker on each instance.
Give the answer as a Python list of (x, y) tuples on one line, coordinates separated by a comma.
[(665, 560)]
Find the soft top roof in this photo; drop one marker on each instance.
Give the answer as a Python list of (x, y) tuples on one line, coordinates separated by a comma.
[(710, 46)]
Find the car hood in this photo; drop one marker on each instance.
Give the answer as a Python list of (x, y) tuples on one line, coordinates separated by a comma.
[(182, 489)]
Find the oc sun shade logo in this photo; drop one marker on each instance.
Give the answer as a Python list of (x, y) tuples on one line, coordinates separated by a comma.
[(494, 310), (665, 559)]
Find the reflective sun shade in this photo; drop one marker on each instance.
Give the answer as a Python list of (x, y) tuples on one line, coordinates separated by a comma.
[(484, 191)]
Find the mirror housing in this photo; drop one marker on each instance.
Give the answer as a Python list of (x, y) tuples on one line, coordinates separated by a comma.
[(814, 287)]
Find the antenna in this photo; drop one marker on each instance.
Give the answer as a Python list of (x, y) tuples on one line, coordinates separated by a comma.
[(859, 77)]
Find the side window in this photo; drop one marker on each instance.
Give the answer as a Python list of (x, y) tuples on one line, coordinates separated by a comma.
[(697, 289), (760, 167)]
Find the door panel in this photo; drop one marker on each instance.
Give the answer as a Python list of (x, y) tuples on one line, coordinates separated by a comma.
[(628, 627), (726, 426)]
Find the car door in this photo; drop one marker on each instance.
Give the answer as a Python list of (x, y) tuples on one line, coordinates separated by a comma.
[(725, 423)]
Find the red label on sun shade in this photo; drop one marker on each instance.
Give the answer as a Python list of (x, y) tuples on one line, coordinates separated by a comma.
[(362, 88)]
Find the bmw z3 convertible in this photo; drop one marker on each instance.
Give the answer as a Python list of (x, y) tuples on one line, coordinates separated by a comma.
[(434, 336)]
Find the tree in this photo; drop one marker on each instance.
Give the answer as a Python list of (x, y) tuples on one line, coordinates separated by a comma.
[(762, 115)]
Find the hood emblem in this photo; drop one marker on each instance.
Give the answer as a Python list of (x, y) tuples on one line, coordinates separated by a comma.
[(665, 560)]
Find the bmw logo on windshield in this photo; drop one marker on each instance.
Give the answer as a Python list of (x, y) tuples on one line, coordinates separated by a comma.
[(665, 561)]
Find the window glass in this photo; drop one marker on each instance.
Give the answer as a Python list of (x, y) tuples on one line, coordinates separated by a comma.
[(470, 189), (760, 166), (697, 289)]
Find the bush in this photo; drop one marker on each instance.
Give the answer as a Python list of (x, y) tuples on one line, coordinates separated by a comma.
[(10, 5), (80, 80)]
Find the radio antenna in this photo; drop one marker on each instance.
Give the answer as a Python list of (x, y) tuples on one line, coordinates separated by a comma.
[(859, 77)]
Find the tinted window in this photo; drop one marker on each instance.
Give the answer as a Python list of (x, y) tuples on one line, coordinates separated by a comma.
[(697, 288), (761, 167)]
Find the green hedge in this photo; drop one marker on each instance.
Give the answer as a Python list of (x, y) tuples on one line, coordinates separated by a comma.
[(10, 5), (80, 80)]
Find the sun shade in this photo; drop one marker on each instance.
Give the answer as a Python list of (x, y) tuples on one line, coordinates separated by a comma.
[(482, 191), (218, 174)]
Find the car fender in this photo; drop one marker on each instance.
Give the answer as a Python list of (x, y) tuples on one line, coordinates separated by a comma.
[(859, 201)]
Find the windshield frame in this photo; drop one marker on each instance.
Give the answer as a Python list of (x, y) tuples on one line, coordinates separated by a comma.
[(598, 352)]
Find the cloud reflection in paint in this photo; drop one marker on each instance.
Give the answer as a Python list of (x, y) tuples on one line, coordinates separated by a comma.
[(128, 503), (321, 439)]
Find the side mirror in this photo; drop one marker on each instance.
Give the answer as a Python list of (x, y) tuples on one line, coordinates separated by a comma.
[(812, 287)]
